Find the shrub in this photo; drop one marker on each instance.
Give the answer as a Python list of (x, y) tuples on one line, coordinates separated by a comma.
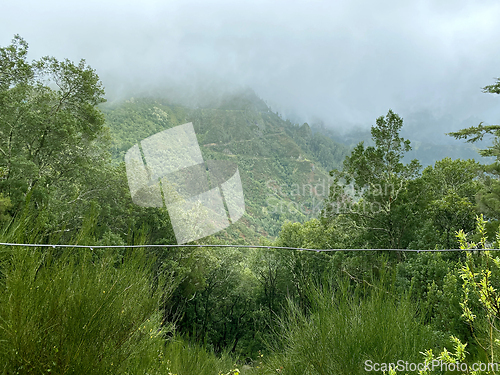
[(342, 330)]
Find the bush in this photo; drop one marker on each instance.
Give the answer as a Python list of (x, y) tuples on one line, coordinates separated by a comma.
[(89, 311), (75, 310), (342, 330)]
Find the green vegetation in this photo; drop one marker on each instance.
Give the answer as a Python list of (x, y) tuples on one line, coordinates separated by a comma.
[(210, 310), (78, 310), (344, 328), (67, 309), (279, 162)]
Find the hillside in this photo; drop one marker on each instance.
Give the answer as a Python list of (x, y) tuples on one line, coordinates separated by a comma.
[(283, 167)]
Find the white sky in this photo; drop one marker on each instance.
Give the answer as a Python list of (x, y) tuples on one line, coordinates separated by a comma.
[(345, 62)]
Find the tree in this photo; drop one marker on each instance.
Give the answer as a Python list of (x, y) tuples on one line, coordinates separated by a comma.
[(373, 186), (450, 189), (489, 196), (50, 127), (54, 151)]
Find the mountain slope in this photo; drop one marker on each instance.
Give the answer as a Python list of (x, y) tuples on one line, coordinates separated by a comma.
[(283, 167)]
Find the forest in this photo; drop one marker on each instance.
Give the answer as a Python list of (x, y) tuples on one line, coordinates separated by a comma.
[(394, 297)]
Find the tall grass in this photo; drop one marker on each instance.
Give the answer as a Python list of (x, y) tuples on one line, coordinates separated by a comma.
[(75, 310), (184, 358), (343, 329), (84, 311)]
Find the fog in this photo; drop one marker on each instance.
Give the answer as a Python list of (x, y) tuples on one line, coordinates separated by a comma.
[(342, 62)]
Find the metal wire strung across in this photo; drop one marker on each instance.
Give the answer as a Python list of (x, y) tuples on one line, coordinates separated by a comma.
[(235, 246)]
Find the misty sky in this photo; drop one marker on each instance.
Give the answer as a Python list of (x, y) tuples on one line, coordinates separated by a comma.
[(344, 62)]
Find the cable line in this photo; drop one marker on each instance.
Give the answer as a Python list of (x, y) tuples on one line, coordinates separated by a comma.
[(232, 246)]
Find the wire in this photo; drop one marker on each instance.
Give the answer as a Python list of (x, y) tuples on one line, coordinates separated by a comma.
[(235, 246)]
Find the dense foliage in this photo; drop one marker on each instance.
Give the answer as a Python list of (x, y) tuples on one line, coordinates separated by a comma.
[(211, 310)]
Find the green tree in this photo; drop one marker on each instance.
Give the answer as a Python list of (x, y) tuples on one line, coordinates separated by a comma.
[(373, 186), (50, 127), (450, 189), (217, 302), (54, 148), (489, 196)]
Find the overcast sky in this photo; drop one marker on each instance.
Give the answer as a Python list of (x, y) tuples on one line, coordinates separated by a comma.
[(345, 62)]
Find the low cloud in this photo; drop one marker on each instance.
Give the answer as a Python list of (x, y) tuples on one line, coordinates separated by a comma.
[(344, 62)]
